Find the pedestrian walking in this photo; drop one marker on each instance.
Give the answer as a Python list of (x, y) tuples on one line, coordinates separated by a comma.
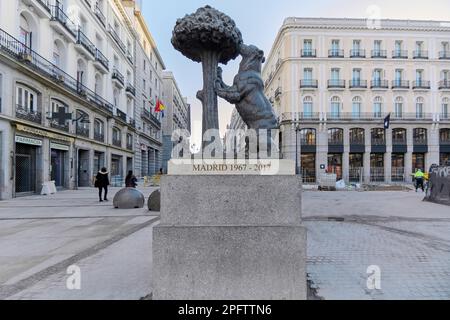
[(102, 183), (130, 180)]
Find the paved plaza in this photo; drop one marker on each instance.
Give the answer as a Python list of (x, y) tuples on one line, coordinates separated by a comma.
[(41, 236), (408, 239)]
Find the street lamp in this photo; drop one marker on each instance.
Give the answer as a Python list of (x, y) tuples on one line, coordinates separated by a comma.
[(297, 164)]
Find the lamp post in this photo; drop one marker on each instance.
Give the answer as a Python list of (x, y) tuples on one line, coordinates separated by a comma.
[(297, 164)]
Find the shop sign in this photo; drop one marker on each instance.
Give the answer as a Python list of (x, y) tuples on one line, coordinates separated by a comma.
[(43, 133), (29, 141), (57, 146)]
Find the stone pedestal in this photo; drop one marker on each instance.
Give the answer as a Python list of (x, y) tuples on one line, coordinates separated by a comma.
[(225, 237)]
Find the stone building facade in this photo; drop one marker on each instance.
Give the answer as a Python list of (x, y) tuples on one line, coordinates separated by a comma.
[(67, 93), (149, 66), (333, 82), (176, 116)]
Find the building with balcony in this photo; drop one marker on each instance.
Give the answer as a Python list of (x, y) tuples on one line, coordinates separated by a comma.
[(61, 66), (351, 77), (176, 116), (148, 88)]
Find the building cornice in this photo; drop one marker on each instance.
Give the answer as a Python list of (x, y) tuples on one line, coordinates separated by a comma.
[(351, 24), (363, 24), (141, 20)]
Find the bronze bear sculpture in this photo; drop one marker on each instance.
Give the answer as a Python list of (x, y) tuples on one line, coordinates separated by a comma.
[(247, 91)]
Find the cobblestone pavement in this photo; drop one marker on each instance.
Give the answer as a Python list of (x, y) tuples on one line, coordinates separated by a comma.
[(41, 236), (412, 249)]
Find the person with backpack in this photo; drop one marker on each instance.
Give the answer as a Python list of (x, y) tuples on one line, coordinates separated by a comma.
[(102, 183)]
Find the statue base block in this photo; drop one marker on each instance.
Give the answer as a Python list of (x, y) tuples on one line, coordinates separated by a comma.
[(241, 239)]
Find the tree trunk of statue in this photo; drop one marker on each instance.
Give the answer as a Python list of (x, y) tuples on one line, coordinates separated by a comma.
[(208, 96)]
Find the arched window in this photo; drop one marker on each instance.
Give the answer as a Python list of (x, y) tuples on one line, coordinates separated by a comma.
[(60, 115), (357, 136), (356, 107), (308, 137), (399, 137), (99, 130), (398, 108), (59, 54), (378, 107), (116, 96), (335, 136), (378, 137), (129, 141), (445, 108), (444, 136), (25, 34), (420, 103), (420, 136), (308, 107), (83, 122), (98, 87), (27, 107), (117, 137), (81, 74), (335, 108)]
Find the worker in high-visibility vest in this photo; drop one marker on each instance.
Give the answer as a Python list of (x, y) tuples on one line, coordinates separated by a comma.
[(420, 179)]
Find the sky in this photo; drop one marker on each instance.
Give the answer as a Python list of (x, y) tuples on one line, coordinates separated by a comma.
[(259, 22)]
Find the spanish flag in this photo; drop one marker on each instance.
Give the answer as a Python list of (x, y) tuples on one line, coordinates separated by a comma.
[(160, 107)]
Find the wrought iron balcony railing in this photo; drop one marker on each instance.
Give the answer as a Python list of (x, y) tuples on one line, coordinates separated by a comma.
[(400, 84), (117, 39), (278, 92), (309, 83), (83, 40), (400, 54), (82, 131), (28, 115), (116, 75), (117, 142), (149, 116), (420, 54), (121, 115), (25, 55), (421, 84), (336, 83), (56, 125), (444, 55), (379, 84), (308, 53), (358, 84), (357, 53), (336, 53), (102, 59), (59, 15), (100, 137), (379, 54), (444, 84), (101, 17), (131, 89)]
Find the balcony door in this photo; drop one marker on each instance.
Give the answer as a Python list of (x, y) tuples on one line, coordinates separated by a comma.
[(25, 34), (398, 48), (307, 47), (356, 77), (445, 108), (398, 112), (377, 75), (308, 107), (335, 108)]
